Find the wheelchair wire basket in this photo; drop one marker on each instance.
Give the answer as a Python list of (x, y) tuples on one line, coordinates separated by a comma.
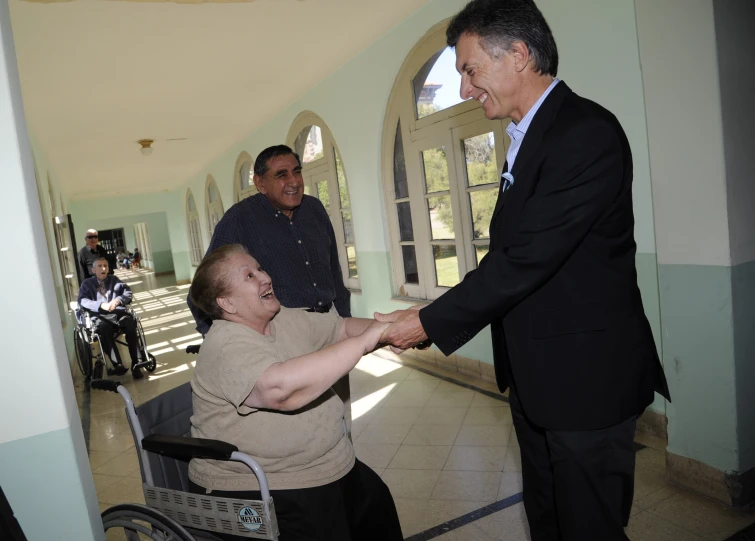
[(174, 515)]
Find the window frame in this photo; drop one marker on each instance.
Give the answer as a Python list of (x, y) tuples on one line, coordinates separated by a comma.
[(240, 193), (317, 171), (194, 231), (447, 127), (212, 208)]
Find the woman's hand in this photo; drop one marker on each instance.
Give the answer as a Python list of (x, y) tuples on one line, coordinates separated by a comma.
[(372, 336)]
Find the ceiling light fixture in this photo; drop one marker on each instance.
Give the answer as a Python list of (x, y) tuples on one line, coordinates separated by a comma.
[(146, 146)]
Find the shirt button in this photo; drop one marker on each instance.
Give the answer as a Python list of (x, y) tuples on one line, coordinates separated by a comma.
[(298, 241), (315, 284), (319, 303), (306, 262)]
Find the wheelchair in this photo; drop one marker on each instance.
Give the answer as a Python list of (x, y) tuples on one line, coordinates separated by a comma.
[(84, 337), (161, 429)]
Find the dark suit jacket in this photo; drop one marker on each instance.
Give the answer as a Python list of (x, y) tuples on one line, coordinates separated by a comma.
[(559, 284)]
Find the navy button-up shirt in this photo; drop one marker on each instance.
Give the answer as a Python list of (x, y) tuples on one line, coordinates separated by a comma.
[(300, 254)]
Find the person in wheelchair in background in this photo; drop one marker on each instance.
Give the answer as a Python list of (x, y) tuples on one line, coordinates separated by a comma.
[(105, 298), (263, 383)]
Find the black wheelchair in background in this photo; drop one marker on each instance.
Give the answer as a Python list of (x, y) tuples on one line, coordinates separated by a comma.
[(85, 337)]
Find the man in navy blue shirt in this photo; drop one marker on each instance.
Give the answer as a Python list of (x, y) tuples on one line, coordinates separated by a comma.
[(105, 298), (289, 234)]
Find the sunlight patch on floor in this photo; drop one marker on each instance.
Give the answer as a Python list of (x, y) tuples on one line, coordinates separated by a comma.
[(365, 404)]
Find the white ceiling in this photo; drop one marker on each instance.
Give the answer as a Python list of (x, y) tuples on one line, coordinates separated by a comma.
[(97, 75)]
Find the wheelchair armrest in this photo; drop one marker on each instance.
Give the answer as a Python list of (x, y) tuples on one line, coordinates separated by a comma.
[(188, 447)]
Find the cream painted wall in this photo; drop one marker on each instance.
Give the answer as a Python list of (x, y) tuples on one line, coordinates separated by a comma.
[(356, 117), (686, 134)]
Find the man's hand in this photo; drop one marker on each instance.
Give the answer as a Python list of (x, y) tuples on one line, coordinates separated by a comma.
[(110, 306), (406, 330)]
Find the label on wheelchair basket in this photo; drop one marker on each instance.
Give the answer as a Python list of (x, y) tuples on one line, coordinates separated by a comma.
[(250, 519)]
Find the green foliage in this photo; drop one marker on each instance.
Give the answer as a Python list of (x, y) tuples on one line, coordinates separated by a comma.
[(426, 109)]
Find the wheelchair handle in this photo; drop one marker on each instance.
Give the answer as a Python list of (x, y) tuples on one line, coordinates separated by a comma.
[(194, 348), (105, 385)]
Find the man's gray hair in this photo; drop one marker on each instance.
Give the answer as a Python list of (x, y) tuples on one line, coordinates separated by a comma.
[(499, 23)]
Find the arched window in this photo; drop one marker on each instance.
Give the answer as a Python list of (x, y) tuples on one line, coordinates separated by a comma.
[(442, 161), (243, 173), (325, 178), (213, 203), (195, 235)]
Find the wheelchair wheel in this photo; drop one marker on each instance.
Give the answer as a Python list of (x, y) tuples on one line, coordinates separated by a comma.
[(143, 347), (83, 352), (140, 522)]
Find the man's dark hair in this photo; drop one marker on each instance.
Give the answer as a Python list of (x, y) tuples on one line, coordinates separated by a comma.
[(212, 279), (260, 164), (498, 23)]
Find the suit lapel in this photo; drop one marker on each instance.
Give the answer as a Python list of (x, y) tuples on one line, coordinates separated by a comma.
[(539, 126), (499, 201)]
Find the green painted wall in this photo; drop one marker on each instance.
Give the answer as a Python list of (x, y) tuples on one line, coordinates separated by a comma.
[(157, 225), (163, 212), (49, 490), (698, 348)]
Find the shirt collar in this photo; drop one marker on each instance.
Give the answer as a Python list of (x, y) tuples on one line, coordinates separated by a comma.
[(266, 202), (518, 131)]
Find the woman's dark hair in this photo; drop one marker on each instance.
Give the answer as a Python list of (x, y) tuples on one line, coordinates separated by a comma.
[(498, 23), (211, 279), (260, 164)]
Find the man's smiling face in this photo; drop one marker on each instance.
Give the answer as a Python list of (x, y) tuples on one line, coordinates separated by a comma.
[(282, 183)]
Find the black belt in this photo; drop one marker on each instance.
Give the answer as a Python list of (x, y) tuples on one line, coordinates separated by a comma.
[(322, 309)]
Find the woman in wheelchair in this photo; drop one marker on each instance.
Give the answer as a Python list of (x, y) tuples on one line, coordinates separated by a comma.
[(105, 298), (263, 383)]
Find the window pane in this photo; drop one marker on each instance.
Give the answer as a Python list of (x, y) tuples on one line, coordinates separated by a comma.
[(437, 85), (479, 152), (436, 169), (343, 189), (446, 265), (481, 251), (212, 193), (441, 217), (400, 185), (322, 194), (348, 227), (410, 264), (308, 144), (246, 176), (405, 221), (482, 204), (191, 203), (307, 190), (351, 257)]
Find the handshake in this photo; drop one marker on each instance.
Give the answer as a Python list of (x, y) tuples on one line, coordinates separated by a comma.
[(404, 330)]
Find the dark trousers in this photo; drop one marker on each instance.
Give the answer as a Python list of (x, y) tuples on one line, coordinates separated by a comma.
[(107, 325), (577, 485), (357, 507)]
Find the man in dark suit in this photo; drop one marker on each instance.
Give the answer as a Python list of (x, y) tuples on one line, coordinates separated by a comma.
[(559, 285)]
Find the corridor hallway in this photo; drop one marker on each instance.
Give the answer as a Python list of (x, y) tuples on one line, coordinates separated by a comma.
[(446, 449)]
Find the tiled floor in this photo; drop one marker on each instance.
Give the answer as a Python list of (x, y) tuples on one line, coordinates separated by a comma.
[(443, 449)]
